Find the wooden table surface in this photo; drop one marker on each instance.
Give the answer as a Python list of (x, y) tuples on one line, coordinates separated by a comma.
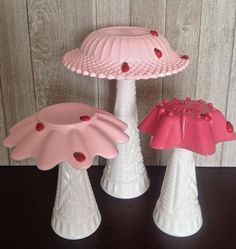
[(27, 198)]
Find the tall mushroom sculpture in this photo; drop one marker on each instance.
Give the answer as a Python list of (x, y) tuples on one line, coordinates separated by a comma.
[(186, 126), (125, 54), (69, 134)]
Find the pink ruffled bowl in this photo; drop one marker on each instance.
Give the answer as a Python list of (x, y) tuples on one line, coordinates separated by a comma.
[(190, 124), (125, 53), (70, 132)]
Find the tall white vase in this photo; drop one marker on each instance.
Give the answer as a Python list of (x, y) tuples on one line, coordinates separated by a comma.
[(125, 176), (75, 213), (177, 211)]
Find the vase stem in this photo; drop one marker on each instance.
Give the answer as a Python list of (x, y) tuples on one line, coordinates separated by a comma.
[(75, 212), (125, 176), (177, 211)]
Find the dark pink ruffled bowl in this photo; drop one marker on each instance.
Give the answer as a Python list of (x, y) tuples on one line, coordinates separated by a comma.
[(190, 124)]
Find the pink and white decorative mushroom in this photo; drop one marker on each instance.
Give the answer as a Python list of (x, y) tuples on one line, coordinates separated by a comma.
[(186, 126), (69, 134), (125, 54)]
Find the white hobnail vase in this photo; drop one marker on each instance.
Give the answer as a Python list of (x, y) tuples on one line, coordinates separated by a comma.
[(75, 213), (177, 211), (125, 176)]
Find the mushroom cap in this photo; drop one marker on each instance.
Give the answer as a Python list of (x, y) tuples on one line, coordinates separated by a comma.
[(70, 132), (191, 124), (125, 53)]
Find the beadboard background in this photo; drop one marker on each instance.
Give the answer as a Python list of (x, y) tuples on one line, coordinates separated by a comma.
[(34, 35)]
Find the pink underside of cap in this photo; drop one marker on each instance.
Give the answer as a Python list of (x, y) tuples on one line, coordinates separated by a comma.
[(190, 124), (104, 51), (64, 133)]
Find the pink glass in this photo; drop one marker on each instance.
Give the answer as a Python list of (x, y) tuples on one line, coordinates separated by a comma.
[(125, 53), (191, 124), (186, 126), (70, 132)]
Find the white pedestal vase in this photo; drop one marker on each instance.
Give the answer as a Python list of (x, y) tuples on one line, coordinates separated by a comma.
[(75, 213), (125, 176), (177, 211)]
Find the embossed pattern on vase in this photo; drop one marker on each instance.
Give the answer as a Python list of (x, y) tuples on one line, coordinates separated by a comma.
[(126, 174), (177, 211), (75, 213), (180, 197), (68, 205)]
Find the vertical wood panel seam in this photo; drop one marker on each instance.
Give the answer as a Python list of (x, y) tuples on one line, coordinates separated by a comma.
[(4, 116), (96, 9), (162, 88), (199, 41), (230, 71), (130, 12), (31, 56), (97, 80), (4, 113), (162, 80), (165, 16)]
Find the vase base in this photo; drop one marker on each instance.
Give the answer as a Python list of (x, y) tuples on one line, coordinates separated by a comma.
[(177, 226), (75, 231), (125, 190)]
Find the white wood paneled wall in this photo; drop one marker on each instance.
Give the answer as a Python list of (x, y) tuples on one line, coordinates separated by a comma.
[(34, 35)]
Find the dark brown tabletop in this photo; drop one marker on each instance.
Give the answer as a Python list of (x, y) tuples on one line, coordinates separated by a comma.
[(27, 198)]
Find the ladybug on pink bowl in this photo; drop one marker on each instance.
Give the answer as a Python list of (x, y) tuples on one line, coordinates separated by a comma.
[(125, 53), (69, 134), (66, 132), (186, 126), (191, 124)]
